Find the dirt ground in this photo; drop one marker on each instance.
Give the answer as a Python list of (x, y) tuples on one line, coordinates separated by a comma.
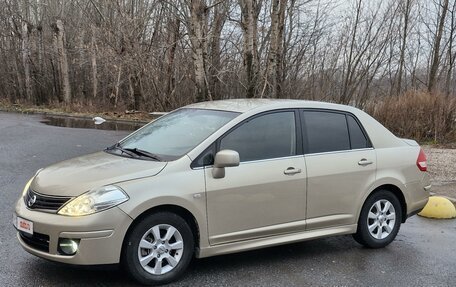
[(442, 167)]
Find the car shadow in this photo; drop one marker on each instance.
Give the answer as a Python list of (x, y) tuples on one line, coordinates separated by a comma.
[(243, 266)]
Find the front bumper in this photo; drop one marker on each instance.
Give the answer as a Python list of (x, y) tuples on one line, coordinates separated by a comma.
[(101, 234)]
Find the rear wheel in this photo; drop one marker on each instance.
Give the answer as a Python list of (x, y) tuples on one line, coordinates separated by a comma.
[(380, 220), (158, 249)]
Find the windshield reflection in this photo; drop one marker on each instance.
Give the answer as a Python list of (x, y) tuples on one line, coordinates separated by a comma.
[(173, 135)]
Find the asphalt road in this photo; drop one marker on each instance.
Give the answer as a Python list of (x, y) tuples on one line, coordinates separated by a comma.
[(423, 254)]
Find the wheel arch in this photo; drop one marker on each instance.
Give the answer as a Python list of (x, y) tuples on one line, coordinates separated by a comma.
[(397, 192), (176, 209)]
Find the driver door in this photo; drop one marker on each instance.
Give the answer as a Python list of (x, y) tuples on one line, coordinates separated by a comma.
[(266, 194)]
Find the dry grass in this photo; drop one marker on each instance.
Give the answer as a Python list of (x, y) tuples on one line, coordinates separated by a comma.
[(415, 114), (419, 115)]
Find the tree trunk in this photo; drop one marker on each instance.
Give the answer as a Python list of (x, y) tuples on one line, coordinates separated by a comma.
[(220, 15), (26, 61), (198, 32), (249, 22), (40, 90), (20, 85), (275, 69), (450, 53), (93, 61), (80, 73), (173, 38), (436, 48), (135, 91), (345, 97), (406, 15), (63, 62), (116, 95)]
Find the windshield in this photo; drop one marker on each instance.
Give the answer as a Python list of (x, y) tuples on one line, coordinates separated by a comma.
[(173, 135)]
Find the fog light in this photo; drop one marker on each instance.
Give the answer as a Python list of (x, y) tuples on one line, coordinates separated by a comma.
[(68, 246)]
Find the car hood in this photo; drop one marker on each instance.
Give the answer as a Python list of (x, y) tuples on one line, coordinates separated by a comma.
[(78, 175)]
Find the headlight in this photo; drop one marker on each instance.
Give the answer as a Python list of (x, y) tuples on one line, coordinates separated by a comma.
[(94, 201)]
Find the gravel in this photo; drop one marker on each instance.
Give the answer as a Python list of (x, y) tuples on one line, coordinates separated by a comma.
[(441, 164), (442, 167)]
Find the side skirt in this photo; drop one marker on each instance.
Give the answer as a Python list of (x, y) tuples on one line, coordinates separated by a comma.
[(274, 240)]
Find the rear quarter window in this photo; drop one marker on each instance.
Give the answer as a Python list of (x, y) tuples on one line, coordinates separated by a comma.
[(357, 138)]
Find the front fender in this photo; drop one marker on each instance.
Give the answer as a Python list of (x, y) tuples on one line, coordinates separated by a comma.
[(185, 189)]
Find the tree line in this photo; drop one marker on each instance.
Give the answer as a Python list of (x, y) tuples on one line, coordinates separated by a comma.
[(161, 54)]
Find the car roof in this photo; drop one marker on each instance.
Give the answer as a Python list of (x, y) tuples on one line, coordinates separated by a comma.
[(245, 105)]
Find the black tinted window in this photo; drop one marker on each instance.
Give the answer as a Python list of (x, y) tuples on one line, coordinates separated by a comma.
[(326, 131), (263, 137), (205, 158), (357, 137)]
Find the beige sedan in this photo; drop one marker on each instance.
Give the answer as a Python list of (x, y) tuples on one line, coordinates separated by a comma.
[(221, 177)]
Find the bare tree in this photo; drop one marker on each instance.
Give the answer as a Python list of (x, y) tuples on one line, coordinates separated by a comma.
[(26, 60), (93, 61), (451, 54), (220, 15), (62, 60), (250, 10), (197, 24), (405, 11), (436, 56), (159, 55), (274, 70)]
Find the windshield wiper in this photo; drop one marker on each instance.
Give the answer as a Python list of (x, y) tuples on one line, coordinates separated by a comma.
[(123, 150), (145, 153)]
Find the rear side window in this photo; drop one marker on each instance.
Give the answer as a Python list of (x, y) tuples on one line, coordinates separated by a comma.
[(264, 137), (357, 137), (326, 131)]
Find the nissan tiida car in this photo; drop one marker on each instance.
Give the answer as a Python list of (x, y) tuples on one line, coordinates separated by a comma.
[(221, 177)]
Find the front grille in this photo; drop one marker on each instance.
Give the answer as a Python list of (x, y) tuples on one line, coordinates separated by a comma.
[(34, 200), (37, 240)]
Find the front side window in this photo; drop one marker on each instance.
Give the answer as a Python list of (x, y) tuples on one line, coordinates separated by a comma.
[(263, 137), (176, 133), (326, 131)]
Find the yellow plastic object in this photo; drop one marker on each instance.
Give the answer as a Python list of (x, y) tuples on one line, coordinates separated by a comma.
[(438, 207)]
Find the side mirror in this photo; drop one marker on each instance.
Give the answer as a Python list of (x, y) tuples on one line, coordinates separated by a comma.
[(224, 158)]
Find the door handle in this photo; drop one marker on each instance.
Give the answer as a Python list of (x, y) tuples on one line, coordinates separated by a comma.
[(291, 171), (364, 162)]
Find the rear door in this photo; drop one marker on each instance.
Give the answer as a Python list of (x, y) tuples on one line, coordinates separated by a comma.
[(341, 166), (266, 194)]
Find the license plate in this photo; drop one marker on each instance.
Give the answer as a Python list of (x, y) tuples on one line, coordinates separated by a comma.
[(23, 225)]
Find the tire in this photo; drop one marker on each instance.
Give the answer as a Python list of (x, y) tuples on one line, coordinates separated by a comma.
[(382, 212), (167, 247)]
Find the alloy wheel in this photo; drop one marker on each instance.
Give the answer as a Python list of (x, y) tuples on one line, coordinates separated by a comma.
[(381, 219), (160, 249)]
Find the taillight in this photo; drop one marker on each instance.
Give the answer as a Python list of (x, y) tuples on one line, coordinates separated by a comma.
[(421, 161)]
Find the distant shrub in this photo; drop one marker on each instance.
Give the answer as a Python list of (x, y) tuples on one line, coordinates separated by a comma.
[(418, 115)]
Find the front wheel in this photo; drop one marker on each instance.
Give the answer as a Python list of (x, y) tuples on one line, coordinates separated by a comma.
[(158, 249), (380, 220)]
